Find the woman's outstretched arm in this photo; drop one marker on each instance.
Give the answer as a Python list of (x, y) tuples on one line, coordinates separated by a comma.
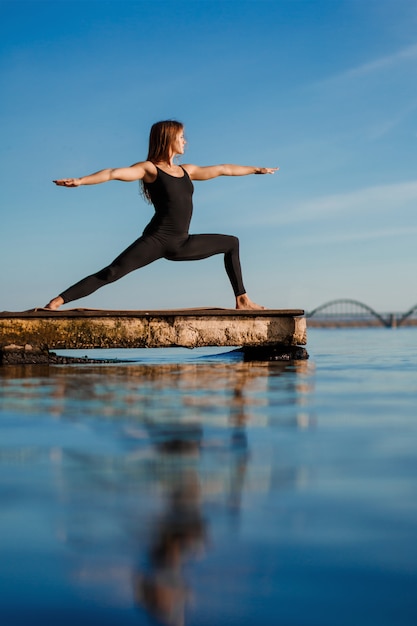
[(138, 171), (213, 171)]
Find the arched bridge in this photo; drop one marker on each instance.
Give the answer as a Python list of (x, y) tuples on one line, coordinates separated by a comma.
[(408, 315), (348, 312)]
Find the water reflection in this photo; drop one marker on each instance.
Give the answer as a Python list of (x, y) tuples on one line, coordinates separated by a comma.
[(143, 460), (179, 534), (155, 391)]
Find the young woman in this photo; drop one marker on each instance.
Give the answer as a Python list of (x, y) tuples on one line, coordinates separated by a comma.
[(169, 188)]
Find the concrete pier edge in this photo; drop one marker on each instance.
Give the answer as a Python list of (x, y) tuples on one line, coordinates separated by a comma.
[(267, 335)]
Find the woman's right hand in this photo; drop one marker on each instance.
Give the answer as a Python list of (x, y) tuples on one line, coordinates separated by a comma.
[(68, 182)]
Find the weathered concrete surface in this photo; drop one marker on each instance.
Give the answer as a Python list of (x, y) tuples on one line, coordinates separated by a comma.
[(82, 328)]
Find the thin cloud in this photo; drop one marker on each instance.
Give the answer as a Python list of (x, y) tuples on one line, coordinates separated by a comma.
[(333, 237), (369, 68), (383, 128), (378, 198), (388, 61)]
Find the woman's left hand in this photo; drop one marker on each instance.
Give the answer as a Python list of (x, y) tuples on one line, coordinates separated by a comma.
[(266, 170)]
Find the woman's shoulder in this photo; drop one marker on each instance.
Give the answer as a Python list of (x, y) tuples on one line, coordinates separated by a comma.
[(189, 168), (151, 171), (148, 166)]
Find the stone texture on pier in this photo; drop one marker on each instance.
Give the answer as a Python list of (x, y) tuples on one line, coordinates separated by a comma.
[(191, 328)]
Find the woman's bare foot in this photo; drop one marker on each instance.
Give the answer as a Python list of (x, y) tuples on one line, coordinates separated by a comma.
[(244, 302), (55, 303)]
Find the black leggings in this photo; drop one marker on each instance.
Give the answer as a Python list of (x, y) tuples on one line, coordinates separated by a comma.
[(149, 248)]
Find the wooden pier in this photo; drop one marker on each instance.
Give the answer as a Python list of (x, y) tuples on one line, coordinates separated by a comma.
[(29, 336)]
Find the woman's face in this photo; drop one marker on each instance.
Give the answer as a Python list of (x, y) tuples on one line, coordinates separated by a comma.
[(178, 146)]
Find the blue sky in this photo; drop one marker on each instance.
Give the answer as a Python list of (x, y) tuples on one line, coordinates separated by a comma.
[(326, 90)]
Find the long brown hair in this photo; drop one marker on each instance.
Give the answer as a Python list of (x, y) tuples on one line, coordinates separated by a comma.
[(161, 137)]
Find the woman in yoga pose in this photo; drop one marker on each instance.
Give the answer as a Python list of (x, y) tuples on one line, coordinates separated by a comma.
[(169, 188)]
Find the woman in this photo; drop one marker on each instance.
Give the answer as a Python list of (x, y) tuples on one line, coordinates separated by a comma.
[(169, 188)]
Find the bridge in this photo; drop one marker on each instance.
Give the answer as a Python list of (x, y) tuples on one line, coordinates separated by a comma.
[(346, 312)]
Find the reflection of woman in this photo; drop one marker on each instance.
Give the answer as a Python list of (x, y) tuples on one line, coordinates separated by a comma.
[(162, 590), (178, 535), (169, 188)]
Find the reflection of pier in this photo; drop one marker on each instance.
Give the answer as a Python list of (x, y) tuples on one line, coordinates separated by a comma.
[(352, 313)]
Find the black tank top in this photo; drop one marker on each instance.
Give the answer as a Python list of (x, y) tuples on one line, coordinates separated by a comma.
[(172, 198)]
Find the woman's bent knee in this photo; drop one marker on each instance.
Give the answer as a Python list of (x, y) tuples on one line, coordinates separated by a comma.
[(108, 274), (234, 242)]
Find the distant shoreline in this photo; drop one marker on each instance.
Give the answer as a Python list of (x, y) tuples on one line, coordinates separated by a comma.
[(312, 323)]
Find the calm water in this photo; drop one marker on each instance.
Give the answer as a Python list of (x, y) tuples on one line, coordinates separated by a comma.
[(190, 488)]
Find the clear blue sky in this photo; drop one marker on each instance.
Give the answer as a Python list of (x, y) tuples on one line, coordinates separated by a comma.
[(326, 90)]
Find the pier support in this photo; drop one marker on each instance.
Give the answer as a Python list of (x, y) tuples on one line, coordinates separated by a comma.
[(29, 337)]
